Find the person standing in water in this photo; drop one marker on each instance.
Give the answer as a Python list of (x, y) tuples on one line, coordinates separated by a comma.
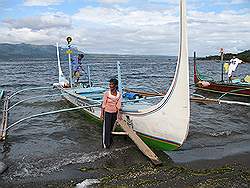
[(110, 111)]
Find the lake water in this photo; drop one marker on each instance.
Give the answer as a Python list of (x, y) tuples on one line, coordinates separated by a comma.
[(47, 144)]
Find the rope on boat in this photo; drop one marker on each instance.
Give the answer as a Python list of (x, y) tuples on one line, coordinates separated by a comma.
[(49, 113), (27, 89)]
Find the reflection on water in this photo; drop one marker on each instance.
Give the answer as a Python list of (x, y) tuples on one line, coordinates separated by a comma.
[(46, 144)]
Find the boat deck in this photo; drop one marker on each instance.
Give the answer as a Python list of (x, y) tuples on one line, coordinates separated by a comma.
[(95, 95)]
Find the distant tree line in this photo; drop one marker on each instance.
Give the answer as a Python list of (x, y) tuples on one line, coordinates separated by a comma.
[(12, 52), (244, 56)]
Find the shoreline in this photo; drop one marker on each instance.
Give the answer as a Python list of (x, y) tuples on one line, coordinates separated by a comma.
[(129, 167)]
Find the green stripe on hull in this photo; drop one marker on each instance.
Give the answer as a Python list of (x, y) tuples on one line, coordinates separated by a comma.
[(159, 144), (151, 142)]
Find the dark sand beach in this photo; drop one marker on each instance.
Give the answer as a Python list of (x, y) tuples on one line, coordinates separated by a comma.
[(125, 166)]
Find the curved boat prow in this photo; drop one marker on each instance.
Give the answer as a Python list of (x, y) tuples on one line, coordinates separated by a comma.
[(61, 79), (165, 125)]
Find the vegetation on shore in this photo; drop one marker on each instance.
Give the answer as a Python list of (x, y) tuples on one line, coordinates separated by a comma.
[(244, 56)]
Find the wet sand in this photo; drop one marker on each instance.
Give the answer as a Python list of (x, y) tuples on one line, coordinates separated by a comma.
[(126, 166)]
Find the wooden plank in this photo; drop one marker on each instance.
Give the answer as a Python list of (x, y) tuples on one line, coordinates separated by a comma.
[(140, 144)]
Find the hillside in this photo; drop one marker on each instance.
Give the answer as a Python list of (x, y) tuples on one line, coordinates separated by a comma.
[(244, 56), (11, 52)]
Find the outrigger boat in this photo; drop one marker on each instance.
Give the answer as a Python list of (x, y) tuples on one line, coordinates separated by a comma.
[(221, 87), (162, 126)]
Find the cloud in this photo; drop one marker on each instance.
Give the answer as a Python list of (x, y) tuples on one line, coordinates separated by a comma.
[(120, 30), (211, 31), (124, 17), (26, 35), (133, 31), (239, 1), (46, 21), (113, 1), (42, 2), (164, 1)]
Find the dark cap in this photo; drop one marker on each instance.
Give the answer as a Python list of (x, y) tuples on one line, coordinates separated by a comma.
[(80, 55), (114, 81)]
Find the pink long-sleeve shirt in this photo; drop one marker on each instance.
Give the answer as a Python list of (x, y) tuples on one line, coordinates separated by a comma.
[(111, 103)]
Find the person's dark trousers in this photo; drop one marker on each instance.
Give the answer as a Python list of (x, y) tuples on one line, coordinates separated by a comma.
[(108, 124)]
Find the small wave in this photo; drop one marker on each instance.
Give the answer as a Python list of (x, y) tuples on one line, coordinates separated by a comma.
[(43, 166), (87, 183), (223, 133)]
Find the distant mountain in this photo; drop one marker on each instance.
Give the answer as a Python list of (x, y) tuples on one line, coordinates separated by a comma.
[(29, 52), (244, 56)]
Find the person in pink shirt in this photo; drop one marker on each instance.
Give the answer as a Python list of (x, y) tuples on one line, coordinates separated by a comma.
[(110, 111)]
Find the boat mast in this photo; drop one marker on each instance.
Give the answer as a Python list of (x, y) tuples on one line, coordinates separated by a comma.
[(119, 77), (69, 52), (222, 64), (195, 72), (89, 79)]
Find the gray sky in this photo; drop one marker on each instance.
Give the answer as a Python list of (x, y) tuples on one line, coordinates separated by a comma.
[(127, 26)]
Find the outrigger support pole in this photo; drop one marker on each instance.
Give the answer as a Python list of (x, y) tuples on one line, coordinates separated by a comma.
[(27, 89), (2, 136), (30, 98), (4, 124), (205, 100), (4, 120), (232, 92), (138, 141)]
